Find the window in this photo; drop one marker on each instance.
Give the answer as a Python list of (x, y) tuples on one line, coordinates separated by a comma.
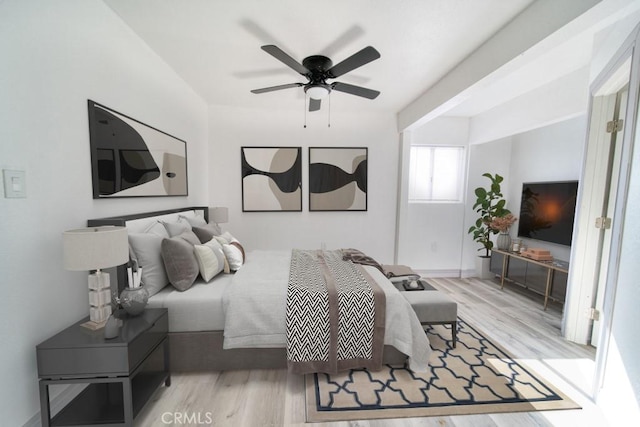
[(436, 174)]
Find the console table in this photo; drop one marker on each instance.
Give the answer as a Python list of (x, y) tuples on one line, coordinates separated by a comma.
[(548, 278), (122, 373)]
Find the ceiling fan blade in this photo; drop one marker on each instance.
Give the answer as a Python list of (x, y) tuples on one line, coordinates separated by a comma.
[(280, 87), (355, 90), (356, 60), (283, 57), (314, 104)]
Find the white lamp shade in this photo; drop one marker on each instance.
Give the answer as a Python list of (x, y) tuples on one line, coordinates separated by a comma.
[(95, 247), (219, 215), (317, 92)]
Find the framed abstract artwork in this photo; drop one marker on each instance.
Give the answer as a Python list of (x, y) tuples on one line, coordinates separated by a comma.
[(271, 179), (132, 159), (338, 179)]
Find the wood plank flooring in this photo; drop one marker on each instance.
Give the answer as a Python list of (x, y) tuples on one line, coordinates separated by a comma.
[(510, 318)]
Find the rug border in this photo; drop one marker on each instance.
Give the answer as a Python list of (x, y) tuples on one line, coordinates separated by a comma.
[(312, 415)]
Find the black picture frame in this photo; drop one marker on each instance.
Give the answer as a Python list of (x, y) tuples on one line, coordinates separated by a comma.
[(271, 179), (132, 159), (338, 179)]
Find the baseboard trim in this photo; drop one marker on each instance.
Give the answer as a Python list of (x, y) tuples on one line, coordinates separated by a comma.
[(439, 273)]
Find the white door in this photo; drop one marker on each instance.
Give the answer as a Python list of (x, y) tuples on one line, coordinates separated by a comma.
[(614, 141)]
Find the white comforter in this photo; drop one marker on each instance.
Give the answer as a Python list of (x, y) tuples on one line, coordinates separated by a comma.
[(255, 306)]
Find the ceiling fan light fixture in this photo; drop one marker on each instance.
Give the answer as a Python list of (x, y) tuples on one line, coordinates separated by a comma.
[(317, 91)]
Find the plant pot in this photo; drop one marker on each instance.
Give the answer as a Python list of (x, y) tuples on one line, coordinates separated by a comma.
[(483, 264), (504, 241)]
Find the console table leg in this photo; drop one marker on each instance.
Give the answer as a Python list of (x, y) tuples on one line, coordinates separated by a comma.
[(505, 259), (547, 288)]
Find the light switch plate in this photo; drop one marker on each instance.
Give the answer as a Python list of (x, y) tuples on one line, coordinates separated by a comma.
[(15, 184)]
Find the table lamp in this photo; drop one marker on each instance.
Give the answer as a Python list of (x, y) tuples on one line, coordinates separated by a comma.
[(94, 248), (219, 215)]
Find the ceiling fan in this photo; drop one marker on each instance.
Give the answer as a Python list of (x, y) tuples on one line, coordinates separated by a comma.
[(318, 69)]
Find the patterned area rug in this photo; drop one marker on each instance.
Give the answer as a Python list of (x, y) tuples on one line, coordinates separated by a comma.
[(476, 377)]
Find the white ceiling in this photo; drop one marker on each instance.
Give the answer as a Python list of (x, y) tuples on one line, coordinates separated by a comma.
[(214, 45)]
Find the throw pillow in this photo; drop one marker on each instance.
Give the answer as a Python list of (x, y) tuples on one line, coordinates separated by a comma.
[(211, 260), (180, 262), (206, 232), (234, 256)]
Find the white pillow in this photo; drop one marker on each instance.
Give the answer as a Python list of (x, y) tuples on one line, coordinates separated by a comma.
[(195, 221), (234, 256), (147, 247), (233, 250), (157, 229), (211, 259)]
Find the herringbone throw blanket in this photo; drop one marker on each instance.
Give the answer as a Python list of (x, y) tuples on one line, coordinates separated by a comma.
[(335, 314)]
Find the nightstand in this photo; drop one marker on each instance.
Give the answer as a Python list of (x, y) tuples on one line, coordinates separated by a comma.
[(121, 373)]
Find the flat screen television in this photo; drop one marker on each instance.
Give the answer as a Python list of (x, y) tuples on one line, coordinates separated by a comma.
[(547, 211)]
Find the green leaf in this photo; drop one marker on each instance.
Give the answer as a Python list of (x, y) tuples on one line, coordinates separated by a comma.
[(481, 193)]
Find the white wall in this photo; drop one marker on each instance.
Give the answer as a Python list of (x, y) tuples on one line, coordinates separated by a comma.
[(431, 234), (494, 158), (551, 153), (55, 56), (372, 231)]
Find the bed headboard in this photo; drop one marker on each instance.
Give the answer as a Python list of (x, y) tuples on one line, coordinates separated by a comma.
[(138, 221)]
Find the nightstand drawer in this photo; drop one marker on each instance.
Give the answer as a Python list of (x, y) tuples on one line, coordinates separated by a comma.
[(82, 362), (144, 344)]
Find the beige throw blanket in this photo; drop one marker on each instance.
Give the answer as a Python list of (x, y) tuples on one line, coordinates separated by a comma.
[(335, 316)]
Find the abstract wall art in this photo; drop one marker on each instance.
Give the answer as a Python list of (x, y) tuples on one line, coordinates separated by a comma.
[(271, 179), (132, 159), (338, 179)]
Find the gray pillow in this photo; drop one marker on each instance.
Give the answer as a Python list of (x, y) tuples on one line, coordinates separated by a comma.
[(207, 232), (147, 249), (180, 262)]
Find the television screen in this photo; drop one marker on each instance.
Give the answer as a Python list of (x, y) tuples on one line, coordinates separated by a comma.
[(547, 211)]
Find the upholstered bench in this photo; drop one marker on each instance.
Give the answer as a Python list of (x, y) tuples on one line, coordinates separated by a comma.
[(434, 308)]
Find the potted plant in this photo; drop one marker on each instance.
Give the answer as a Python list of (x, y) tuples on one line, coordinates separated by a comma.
[(489, 205)]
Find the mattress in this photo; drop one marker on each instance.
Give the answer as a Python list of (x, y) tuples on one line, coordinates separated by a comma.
[(197, 309)]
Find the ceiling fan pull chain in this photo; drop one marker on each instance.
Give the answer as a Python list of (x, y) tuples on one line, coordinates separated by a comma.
[(304, 107), (329, 119)]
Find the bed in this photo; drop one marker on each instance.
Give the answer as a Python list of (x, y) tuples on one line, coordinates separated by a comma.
[(224, 324)]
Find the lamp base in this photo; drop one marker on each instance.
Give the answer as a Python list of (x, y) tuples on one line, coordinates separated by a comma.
[(94, 326)]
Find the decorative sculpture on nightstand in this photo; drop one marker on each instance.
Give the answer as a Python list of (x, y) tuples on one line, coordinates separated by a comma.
[(134, 298)]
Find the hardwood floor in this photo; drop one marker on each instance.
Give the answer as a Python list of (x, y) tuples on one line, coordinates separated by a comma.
[(511, 318)]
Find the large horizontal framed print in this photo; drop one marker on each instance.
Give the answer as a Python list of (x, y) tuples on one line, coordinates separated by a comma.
[(271, 179), (132, 159), (338, 179)]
